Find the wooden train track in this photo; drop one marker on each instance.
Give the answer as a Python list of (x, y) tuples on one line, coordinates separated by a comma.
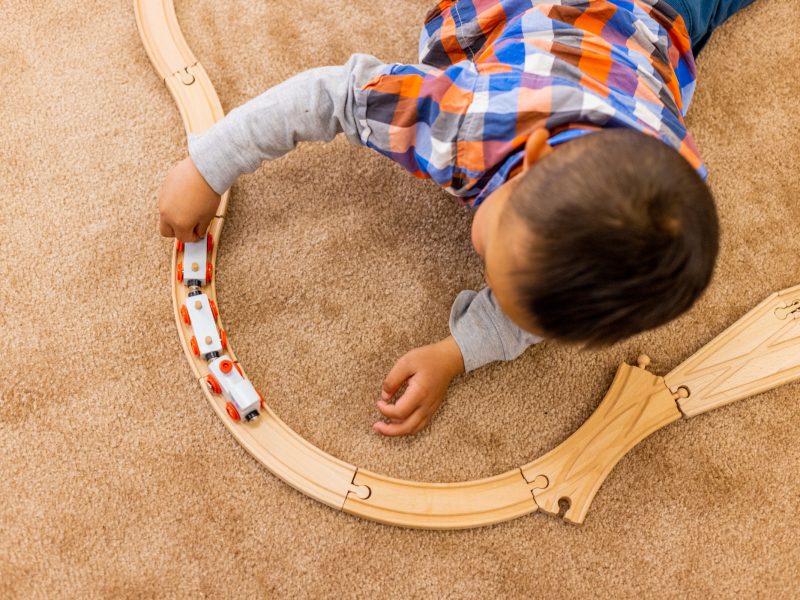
[(759, 352)]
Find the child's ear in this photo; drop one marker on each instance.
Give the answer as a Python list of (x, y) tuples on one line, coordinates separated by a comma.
[(536, 147)]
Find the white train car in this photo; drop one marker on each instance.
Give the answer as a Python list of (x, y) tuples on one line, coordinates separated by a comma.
[(244, 401), (200, 312), (195, 268)]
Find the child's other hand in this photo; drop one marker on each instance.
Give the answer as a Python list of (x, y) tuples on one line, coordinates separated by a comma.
[(429, 370), (186, 203)]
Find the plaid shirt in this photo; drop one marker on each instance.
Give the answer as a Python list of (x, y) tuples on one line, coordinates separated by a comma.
[(490, 72)]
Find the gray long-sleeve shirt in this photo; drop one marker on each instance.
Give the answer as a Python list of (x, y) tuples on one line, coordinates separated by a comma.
[(318, 104)]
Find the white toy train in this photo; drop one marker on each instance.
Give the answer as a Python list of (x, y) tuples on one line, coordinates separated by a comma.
[(200, 312)]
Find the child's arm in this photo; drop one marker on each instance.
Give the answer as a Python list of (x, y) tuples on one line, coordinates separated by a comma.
[(314, 105), (481, 333)]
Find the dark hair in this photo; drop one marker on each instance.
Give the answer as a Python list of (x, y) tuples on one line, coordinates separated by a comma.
[(624, 237)]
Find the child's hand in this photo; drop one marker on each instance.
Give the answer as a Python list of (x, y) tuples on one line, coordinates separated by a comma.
[(186, 203), (429, 370)]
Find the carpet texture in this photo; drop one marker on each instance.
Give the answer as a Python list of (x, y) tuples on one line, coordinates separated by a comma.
[(119, 481)]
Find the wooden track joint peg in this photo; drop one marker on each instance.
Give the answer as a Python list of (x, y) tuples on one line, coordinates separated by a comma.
[(637, 404), (362, 492), (783, 310), (185, 76), (539, 482)]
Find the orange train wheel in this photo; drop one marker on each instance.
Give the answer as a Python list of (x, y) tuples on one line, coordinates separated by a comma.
[(179, 245), (213, 308), (260, 397), (195, 347), (232, 412), (179, 271), (209, 242), (238, 368), (185, 315), (223, 337), (213, 384), (208, 273)]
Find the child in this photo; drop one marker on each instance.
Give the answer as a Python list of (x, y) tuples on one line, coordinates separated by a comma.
[(560, 122)]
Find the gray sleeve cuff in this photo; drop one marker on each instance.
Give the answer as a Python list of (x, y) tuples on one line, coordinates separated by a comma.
[(483, 332), (210, 152), (314, 105)]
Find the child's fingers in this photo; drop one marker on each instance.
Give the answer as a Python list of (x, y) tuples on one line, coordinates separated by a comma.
[(406, 405), (410, 425), (186, 234), (165, 229), (401, 371), (397, 411), (201, 227)]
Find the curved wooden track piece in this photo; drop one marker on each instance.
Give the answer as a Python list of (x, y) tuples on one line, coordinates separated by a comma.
[(442, 505), (270, 441), (757, 353)]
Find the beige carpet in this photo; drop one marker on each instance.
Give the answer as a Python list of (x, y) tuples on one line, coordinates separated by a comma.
[(119, 481)]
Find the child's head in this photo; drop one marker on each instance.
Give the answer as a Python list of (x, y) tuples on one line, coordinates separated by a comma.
[(603, 237)]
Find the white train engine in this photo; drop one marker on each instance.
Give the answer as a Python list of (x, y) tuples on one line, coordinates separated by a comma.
[(199, 312), (244, 401)]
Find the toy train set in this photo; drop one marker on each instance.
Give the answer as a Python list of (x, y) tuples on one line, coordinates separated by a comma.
[(759, 352), (243, 401)]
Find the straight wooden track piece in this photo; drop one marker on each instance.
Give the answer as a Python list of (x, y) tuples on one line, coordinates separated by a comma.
[(757, 353)]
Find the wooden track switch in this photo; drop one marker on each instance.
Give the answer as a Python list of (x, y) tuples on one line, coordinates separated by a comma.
[(637, 404)]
